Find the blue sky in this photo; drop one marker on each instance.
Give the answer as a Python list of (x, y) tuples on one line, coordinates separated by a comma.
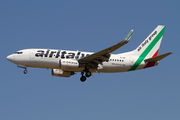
[(88, 26)]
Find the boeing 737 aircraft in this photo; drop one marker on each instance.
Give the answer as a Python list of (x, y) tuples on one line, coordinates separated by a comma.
[(65, 63)]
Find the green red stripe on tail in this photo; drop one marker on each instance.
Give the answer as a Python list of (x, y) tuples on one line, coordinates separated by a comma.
[(151, 64), (149, 47)]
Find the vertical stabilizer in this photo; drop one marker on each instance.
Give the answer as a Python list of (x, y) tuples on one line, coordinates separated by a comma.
[(149, 47)]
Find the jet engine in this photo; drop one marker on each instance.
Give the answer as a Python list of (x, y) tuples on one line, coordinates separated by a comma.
[(61, 73)]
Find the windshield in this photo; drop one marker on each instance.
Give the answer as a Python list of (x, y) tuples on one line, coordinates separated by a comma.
[(18, 52)]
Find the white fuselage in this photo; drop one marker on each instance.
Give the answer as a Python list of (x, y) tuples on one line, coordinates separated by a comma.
[(65, 63), (50, 58)]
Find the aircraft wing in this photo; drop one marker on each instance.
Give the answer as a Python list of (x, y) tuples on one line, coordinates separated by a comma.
[(103, 55)]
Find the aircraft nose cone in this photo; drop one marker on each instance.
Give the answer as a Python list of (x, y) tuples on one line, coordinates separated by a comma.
[(10, 58)]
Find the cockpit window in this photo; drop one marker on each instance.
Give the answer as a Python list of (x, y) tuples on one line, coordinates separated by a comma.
[(18, 52)]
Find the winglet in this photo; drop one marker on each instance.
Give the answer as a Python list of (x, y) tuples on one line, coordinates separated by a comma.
[(127, 38)]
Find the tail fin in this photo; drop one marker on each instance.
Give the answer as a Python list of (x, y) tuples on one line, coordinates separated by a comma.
[(149, 47)]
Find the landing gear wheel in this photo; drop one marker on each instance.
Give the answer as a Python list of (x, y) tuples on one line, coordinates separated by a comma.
[(88, 74), (25, 71), (83, 78)]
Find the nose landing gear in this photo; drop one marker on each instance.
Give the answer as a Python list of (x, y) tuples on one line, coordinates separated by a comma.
[(25, 71), (22, 66)]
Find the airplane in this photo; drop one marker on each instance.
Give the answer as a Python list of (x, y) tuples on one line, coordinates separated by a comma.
[(66, 63)]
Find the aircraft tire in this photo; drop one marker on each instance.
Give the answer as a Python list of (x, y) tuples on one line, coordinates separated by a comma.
[(88, 74), (83, 78), (25, 71)]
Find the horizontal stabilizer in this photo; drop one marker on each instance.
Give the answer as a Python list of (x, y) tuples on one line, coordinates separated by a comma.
[(158, 58)]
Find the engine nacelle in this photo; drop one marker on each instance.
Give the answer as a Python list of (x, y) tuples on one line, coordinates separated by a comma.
[(69, 64), (61, 73)]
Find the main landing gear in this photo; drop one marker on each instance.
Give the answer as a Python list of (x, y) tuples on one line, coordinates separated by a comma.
[(87, 74)]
